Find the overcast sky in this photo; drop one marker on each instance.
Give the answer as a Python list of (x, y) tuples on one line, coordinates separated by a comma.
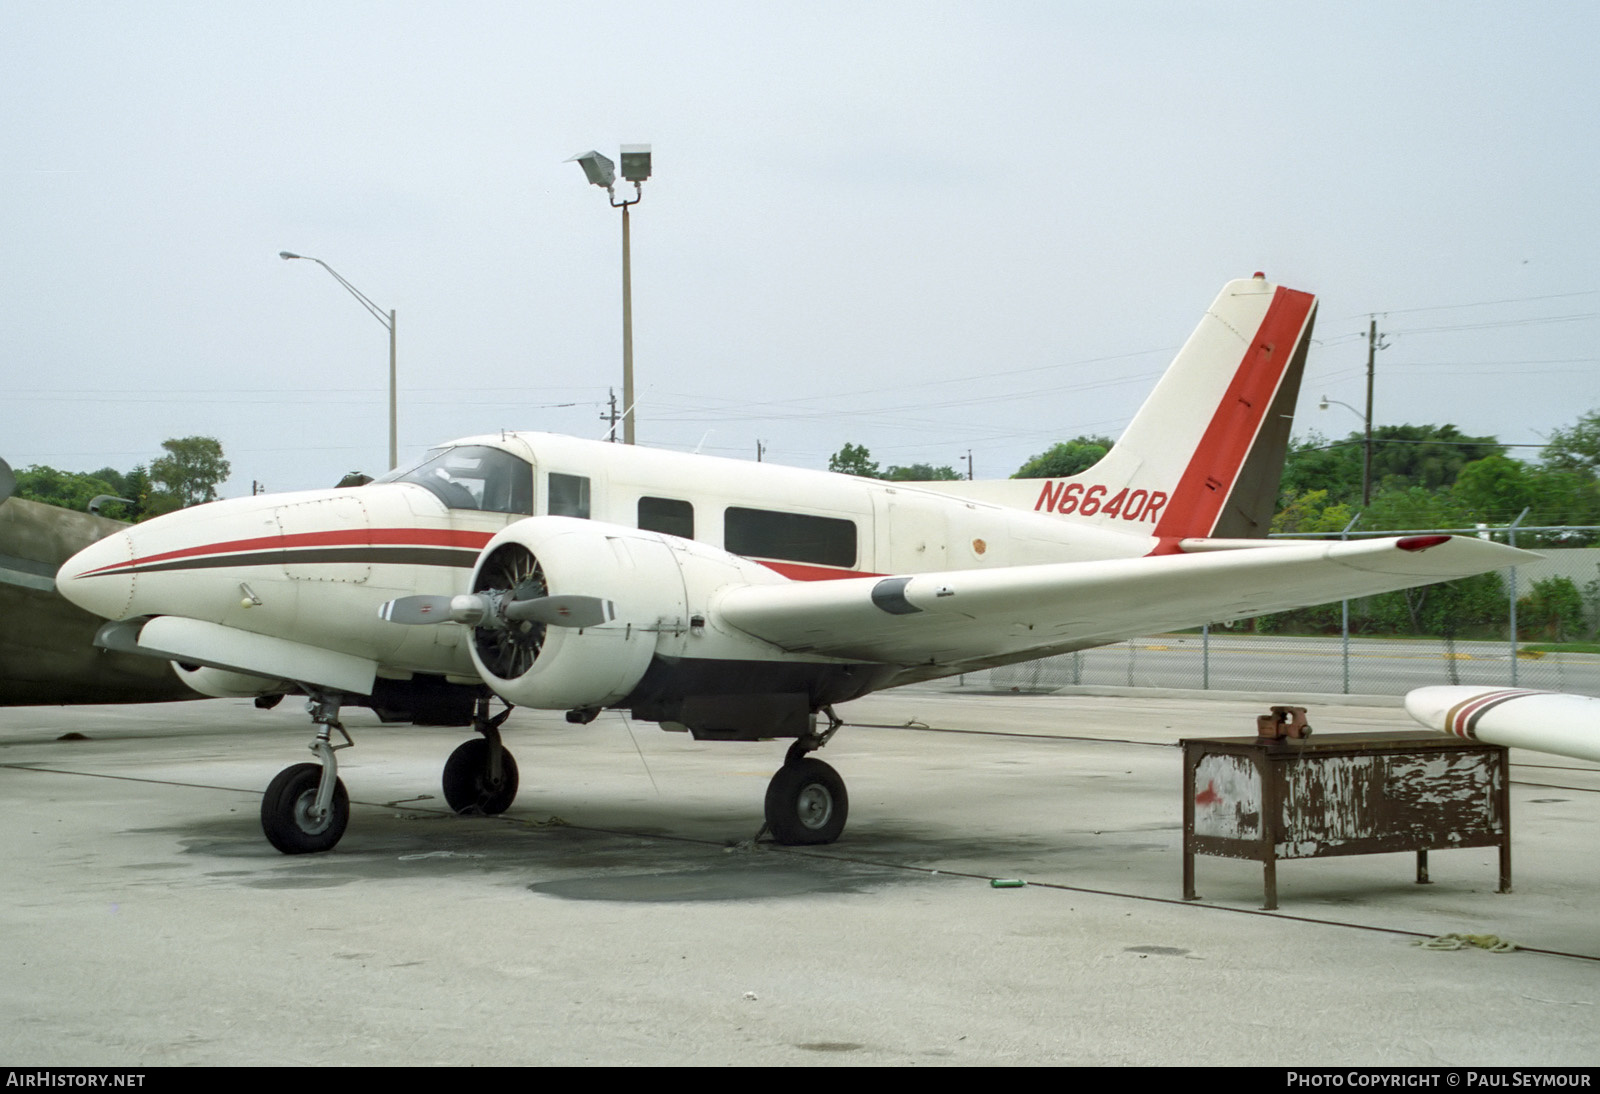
[(927, 228)]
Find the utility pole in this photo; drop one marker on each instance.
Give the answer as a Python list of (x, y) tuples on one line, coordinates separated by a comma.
[(761, 450), (1373, 346), (611, 394), (969, 465)]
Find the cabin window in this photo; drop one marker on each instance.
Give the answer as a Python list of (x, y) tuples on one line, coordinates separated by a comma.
[(793, 537), (569, 496), (669, 515), (472, 476)]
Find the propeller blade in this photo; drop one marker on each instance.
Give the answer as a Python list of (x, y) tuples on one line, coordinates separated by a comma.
[(563, 611), (417, 609), (431, 609)]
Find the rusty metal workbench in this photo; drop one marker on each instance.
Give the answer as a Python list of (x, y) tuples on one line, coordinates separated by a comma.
[(1267, 799)]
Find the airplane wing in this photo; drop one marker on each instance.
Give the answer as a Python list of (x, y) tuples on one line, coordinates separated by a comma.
[(1001, 615)]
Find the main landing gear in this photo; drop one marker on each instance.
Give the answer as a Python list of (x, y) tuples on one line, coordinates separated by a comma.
[(806, 799), (480, 777)]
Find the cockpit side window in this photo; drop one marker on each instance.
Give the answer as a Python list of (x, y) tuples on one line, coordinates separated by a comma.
[(473, 476)]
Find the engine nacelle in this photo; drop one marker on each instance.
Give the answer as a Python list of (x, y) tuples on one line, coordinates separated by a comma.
[(641, 573)]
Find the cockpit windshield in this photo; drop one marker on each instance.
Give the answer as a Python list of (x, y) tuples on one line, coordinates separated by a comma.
[(473, 476)]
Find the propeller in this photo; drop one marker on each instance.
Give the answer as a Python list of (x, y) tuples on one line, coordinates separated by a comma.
[(569, 610), (493, 609)]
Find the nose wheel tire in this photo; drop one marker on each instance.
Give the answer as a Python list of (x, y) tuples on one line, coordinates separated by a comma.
[(468, 785), (288, 812), (806, 803)]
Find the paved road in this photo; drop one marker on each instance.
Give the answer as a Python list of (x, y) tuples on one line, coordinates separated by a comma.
[(613, 916), (1309, 665)]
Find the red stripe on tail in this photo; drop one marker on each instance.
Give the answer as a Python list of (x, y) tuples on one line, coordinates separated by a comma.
[(1197, 502)]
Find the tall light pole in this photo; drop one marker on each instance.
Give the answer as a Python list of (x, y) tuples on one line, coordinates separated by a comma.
[(1366, 456), (387, 319), (602, 172)]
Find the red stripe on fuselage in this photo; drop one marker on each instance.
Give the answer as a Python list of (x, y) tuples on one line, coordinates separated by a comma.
[(1197, 502), (800, 571), (368, 537)]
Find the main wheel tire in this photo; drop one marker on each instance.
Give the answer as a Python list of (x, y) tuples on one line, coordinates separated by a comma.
[(467, 786), (806, 803), (286, 811)]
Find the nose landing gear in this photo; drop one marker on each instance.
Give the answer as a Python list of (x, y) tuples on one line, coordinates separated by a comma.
[(305, 808)]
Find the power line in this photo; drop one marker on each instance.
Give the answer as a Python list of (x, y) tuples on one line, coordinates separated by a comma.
[(1478, 304)]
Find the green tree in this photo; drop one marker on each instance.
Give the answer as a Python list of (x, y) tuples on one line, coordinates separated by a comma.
[(1316, 463), (1469, 606), (68, 489), (920, 472), (1495, 490), (1403, 456), (1429, 456), (1576, 448), (853, 459), (1066, 458), (1553, 610), (1312, 512), (1412, 508), (191, 470)]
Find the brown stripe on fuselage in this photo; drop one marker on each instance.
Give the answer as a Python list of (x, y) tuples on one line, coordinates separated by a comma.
[(310, 556)]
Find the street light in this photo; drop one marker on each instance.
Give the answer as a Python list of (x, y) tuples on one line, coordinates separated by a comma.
[(387, 319), (600, 171), (1366, 455)]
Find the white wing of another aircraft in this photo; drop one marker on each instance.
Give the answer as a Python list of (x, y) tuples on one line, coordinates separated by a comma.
[(1545, 721)]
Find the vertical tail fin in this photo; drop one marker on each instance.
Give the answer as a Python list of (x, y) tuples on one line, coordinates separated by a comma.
[(1204, 455)]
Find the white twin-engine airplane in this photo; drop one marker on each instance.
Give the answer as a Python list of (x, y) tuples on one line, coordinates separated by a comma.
[(733, 600)]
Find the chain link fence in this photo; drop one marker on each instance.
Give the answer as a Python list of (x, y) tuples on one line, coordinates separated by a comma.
[(1486, 630)]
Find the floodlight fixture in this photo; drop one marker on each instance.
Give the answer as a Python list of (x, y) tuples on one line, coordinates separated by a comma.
[(636, 162), (599, 170)]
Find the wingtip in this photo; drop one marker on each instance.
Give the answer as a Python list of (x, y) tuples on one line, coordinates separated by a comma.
[(1420, 543)]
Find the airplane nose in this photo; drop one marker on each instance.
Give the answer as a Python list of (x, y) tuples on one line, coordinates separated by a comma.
[(98, 578)]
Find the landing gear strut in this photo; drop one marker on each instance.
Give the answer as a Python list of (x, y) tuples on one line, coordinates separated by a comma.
[(305, 808), (806, 800), (481, 776)]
